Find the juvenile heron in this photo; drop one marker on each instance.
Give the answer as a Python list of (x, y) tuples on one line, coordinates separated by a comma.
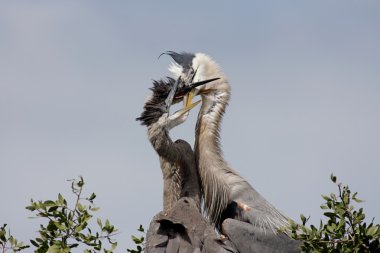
[(232, 204), (180, 227)]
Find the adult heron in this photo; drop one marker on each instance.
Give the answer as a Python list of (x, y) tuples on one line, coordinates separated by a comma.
[(180, 227), (232, 204)]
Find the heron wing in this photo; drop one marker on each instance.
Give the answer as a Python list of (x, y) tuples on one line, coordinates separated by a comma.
[(250, 239)]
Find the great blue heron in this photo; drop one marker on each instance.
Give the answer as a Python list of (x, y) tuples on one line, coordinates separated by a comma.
[(232, 204), (180, 227)]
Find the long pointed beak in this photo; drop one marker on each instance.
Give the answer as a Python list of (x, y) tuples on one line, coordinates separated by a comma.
[(187, 99), (187, 93), (187, 108), (186, 89)]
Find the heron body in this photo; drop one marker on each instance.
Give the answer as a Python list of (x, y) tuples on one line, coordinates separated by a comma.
[(180, 227), (227, 195)]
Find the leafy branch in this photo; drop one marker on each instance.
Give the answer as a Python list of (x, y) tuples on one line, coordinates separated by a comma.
[(345, 230), (9, 243), (139, 241), (67, 226)]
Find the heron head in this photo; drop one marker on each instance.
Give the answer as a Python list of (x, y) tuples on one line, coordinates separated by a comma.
[(164, 94), (196, 68)]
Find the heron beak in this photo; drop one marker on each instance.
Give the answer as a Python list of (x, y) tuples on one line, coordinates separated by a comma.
[(185, 93), (188, 98), (192, 91), (186, 108), (181, 92)]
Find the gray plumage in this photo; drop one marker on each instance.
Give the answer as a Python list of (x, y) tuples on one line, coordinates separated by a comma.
[(253, 239), (180, 227), (226, 193)]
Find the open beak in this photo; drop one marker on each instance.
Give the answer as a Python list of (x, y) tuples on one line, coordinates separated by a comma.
[(193, 91), (188, 92), (181, 92)]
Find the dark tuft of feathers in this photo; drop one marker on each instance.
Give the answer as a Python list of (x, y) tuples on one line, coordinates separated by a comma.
[(155, 107)]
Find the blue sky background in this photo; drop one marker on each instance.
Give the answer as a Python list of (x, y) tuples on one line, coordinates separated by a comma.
[(74, 75)]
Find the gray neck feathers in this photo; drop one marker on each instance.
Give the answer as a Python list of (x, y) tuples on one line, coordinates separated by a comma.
[(216, 176), (177, 160), (159, 137), (171, 183)]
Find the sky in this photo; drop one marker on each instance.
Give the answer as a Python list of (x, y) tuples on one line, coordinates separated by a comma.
[(74, 75)]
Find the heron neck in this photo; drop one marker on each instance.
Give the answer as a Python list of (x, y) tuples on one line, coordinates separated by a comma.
[(177, 161), (216, 175), (171, 183)]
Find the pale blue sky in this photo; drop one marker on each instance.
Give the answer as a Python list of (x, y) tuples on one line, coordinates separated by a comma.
[(74, 75)]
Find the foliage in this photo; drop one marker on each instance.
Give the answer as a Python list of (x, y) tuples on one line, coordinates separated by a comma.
[(345, 230), (9, 243), (68, 227), (138, 241)]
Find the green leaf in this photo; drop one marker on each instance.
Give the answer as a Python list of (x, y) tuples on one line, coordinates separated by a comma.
[(114, 245), (324, 207), (92, 197), (330, 229), (49, 203), (70, 216), (30, 208), (330, 214), (52, 209), (60, 199), (11, 240), (372, 230), (74, 245), (99, 221), (78, 229), (303, 219), (326, 197), (54, 249), (60, 226), (2, 234), (137, 240), (34, 243), (358, 200), (81, 207)]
